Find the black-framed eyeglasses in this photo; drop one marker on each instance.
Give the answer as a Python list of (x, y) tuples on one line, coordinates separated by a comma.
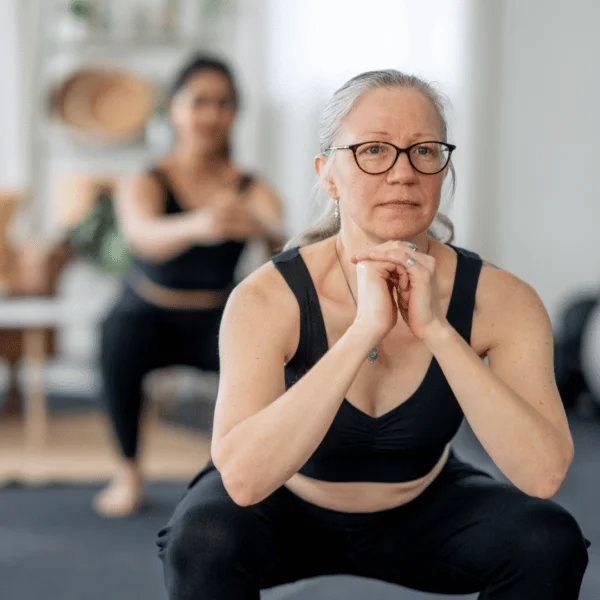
[(376, 158)]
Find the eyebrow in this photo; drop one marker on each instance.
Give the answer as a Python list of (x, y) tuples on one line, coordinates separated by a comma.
[(413, 136)]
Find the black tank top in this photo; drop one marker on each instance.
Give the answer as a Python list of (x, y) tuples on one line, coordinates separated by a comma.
[(405, 443), (209, 267)]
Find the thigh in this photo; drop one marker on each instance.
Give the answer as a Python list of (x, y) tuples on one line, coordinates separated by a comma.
[(272, 540), (467, 530), (130, 340)]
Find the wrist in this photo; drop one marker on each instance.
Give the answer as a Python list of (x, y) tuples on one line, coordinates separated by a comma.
[(364, 337), (197, 227), (437, 334)]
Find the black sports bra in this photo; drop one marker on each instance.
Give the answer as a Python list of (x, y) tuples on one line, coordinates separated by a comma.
[(200, 267), (405, 443)]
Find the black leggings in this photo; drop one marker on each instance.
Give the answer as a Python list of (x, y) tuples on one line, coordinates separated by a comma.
[(138, 337), (466, 533)]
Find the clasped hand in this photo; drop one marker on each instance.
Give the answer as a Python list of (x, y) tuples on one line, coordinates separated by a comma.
[(228, 217), (389, 283)]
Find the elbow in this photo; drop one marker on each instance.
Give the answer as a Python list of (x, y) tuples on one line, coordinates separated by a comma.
[(237, 481), (239, 487), (545, 489), (548, 485), (240, 493)]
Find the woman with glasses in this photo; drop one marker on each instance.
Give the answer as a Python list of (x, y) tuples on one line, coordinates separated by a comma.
[(187, 221), (348, 365)]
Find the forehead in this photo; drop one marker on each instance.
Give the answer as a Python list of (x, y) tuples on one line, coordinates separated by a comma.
[(398, 111), (207, 82)]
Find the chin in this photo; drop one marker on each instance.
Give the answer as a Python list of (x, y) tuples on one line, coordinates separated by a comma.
[(399, 230), (209, 148)]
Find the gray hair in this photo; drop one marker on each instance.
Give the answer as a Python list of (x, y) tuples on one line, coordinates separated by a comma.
[(333, 118)]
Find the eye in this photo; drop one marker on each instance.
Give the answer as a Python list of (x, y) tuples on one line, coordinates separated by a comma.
[(430, 150), (373, 149)]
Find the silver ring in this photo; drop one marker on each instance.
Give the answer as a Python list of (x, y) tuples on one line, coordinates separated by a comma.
[(410, 262), (411, 245)]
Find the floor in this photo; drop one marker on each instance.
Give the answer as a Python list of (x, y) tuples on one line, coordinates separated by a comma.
[(80, 449), (54, 547)]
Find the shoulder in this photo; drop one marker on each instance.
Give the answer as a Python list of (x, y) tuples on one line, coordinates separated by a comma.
[(509, 307), (263, 302), (140, 182), (260, 190), (500, 289)]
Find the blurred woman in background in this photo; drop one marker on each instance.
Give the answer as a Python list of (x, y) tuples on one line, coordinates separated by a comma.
[(187, 222)]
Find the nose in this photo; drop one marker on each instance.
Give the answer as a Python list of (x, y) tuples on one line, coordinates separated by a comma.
[(212, 114), (209, 113), (402, 171)]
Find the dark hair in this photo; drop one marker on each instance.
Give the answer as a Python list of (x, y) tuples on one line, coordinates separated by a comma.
[(198, 64)]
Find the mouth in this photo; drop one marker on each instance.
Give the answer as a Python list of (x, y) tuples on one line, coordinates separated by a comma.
[(400, 203)]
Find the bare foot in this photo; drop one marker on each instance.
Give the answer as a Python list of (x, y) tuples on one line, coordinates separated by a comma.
[(123, 496)]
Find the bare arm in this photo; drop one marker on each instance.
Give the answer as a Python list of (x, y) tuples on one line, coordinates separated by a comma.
[(262, 433), (513, 406), (152, 234)]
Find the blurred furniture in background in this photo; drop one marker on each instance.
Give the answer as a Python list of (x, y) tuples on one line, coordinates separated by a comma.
[(29, 320), (9, 201), (569, 332), (590, 353), (27, 270), (26, 323)]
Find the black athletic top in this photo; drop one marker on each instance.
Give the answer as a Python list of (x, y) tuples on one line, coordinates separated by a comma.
[(405, 443), (209, 267)]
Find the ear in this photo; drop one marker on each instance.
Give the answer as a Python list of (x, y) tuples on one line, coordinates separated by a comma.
[(328, 184)]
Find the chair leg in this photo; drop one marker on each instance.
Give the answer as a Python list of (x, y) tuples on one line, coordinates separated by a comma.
[(12, 395), (36, 411)]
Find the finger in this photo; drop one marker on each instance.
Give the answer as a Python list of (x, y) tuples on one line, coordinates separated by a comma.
[(380, 249), (404, 280), (394, 254)]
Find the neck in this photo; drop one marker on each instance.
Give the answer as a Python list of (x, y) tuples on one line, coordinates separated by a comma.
[(201, 162)]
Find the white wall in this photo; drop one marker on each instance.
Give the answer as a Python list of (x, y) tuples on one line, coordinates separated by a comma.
[(12, 114), (546, 203)]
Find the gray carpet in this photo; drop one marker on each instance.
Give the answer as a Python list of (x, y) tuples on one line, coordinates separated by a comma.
[(53, 547)]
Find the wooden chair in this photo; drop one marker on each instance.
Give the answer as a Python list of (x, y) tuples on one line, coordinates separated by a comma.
[(29, 270)]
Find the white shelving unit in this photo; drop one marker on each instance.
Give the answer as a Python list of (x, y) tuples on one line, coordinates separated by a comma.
[(153, 54)]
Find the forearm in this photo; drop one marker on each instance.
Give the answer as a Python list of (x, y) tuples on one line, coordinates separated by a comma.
[(261, 453), (525, 446), (162, 238)]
